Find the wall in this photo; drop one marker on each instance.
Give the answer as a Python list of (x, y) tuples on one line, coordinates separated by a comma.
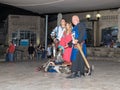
[(119, 24), (22, 22)]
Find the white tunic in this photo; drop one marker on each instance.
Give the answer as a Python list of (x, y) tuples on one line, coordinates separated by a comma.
[(58, 31)]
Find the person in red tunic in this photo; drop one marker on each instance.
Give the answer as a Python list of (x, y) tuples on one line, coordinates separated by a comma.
[(67, 37), (11, 50)]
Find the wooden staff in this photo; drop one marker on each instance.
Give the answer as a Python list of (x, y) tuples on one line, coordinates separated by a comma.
[(81, 51), (84, 58)]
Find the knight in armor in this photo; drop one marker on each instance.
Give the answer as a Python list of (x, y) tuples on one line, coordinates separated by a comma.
[(57, 33)]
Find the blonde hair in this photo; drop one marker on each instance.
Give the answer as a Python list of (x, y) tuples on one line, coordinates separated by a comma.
[(70, 26)]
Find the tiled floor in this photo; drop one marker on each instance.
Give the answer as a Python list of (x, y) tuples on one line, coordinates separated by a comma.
[(22, 76)]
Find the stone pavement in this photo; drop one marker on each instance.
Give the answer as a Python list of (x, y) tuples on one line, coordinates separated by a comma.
[(22, 76)]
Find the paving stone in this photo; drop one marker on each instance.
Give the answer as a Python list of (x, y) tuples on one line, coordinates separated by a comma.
[(22, 76)]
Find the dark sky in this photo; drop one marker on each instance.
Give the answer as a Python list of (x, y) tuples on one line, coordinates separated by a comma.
[(5, 10)]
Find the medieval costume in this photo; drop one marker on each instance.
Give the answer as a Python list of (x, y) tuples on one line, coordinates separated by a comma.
[(66, 49), (78, 65)]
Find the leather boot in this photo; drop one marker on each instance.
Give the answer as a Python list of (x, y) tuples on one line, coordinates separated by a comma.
[(78, 74), (73, 75)]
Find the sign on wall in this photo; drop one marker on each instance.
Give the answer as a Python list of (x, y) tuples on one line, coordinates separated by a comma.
[(24, 42)]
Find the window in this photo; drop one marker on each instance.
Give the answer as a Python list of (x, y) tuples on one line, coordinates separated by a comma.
[(109, 34), (21, 35)]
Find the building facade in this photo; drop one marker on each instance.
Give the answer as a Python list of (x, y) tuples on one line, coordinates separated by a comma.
[(109, 23), (25, 29)]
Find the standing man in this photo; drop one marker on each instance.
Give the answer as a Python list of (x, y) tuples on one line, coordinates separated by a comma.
[(11, 51), (57, 34), (31, 51), (79, 35)]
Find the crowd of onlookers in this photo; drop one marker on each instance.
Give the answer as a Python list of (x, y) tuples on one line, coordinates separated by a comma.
[(34, 52), (39, 52)]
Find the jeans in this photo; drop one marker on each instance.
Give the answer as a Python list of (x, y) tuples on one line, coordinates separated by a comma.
[(38, 56), (10, 57), (7, 58), (31, 56)]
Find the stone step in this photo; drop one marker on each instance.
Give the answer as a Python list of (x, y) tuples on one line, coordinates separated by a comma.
[(104, 59), (103, 52)]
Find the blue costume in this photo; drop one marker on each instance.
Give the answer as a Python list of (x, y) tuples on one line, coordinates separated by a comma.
[(79, 32)]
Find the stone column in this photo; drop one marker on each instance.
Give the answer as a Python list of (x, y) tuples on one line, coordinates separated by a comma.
[(38, 30), (97, 33)]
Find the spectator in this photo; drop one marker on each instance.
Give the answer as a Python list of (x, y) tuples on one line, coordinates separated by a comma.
[(49, 51), (31, 51), (10, 51), (39, 51), (43, 53), (107, 40)]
